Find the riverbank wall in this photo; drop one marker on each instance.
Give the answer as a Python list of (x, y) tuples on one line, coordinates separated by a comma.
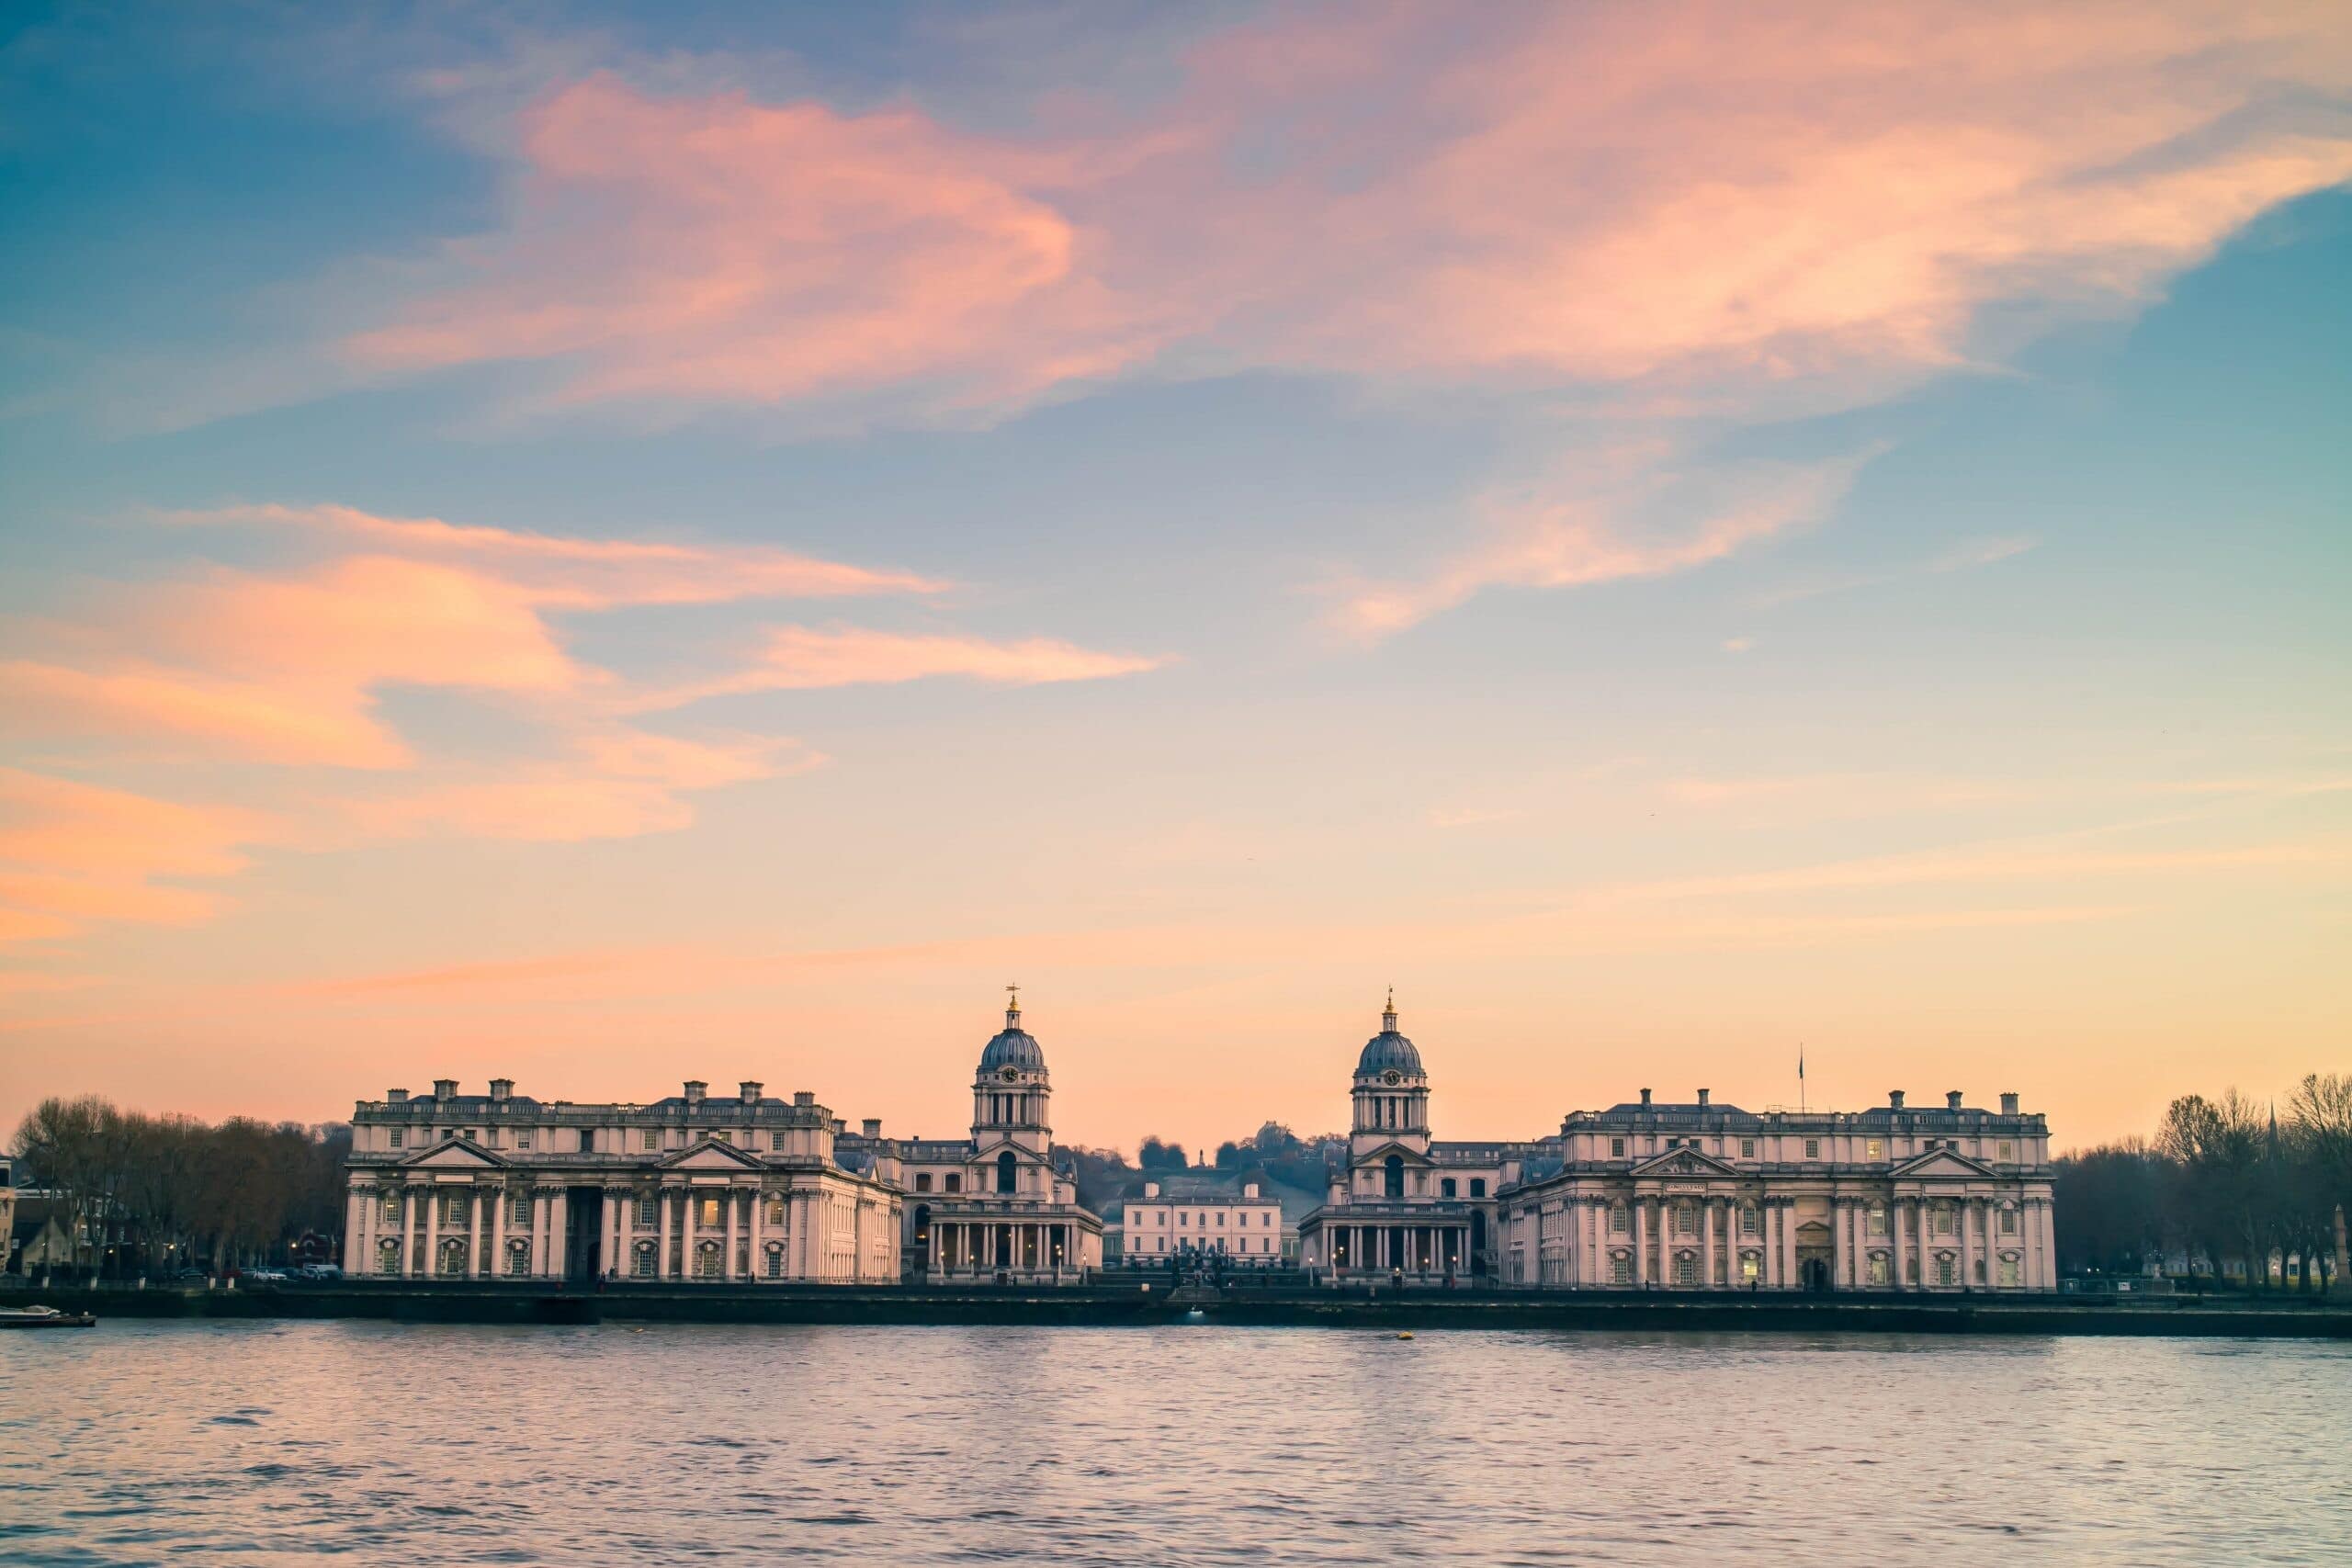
[(1101, 1306)]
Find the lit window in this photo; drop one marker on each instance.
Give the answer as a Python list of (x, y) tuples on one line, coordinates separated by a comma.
[(776, 1211), (1874, 1148), (1878, 1219), (1750, 1265), (709, 1216), (1616, 1148), (1747, 1148), (398, 1137), (649, 1140), (1878, 1269), (724, 1136), (391, 1208), (1813, 1148)]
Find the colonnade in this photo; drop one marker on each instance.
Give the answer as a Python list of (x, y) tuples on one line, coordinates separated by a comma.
[(1392, 1246), (985, 1245)]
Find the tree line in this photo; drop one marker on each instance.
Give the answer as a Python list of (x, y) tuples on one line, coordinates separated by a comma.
[(2226, 1184), (139, 1194)]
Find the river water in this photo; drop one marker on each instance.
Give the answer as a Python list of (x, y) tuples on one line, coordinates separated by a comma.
[(280, 1442)]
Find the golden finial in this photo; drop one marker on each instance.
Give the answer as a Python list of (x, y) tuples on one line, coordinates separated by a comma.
[(1012, 999)]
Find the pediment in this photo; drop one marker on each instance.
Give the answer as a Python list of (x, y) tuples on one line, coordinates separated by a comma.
[(1377, 1158), (711, 1154), (1684, 1162), (1945, 1163), (454, 1153)]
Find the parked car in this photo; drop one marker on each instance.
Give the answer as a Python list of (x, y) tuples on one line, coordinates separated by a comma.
[(319, 1271), (263, 1276), (190, 1274)]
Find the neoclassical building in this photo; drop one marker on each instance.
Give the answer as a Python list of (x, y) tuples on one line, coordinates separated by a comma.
[(692, 1187), (995, 1206), (1406, 1206), (1695, 1196), (1701, 1196)]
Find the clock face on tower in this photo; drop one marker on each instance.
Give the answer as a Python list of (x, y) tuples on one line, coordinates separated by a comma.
[(1392, 1077), (1011, 1075)]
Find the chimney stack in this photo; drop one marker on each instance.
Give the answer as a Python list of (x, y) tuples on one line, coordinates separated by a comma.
[(872, 1126), (748, 1092), (444, 1088), (396, 1097), (1702, 1099), (1952, 1100), (2008, 1105), (501, 1088), (696, 1089), (1151, 1188), (804, 1097), (1645, 1097), (1895, 1098)]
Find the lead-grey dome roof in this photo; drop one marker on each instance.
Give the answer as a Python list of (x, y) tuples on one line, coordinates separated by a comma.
[(1388, 1050), (1013, 1046)]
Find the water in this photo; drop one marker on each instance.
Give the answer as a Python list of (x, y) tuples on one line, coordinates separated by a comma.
[(279, 1442)]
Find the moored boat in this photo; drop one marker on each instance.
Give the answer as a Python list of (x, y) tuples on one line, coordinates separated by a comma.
[(44, 1317)]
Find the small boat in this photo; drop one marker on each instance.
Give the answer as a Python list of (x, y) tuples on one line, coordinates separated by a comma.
[(44, 1317)]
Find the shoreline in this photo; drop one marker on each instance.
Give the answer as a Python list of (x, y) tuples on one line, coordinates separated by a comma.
[(1104, 1306)]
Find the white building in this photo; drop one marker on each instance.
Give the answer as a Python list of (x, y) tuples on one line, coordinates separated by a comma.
[(1696, 1196), (1699, 1196), (994, 1206), (750, 1188), (1202, 1212)]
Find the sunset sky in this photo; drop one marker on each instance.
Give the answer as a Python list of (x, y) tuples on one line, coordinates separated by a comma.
[(607, 545)]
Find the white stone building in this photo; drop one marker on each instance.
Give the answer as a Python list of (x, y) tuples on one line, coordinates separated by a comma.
[(1206, 1213), (747, 1189), (994, 1206), (1701, 1196)]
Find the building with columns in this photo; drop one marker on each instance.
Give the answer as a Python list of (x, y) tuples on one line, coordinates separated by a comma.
[(1405, 1207), (996, 1206), (1702, 1196), (1206, 1212), (501, 1186)]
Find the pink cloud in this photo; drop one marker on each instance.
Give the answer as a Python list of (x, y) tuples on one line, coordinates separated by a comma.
[(806, 659), (71, 853), (1703, 196)]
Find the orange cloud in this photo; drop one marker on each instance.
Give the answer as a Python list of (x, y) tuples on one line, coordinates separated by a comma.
[(805, 659), (1703, 194), (71, 853)]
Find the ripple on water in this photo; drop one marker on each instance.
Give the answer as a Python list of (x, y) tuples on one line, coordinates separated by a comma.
[(428, 1445)]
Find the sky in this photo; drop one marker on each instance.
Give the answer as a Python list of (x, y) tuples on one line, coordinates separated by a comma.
[(613, 545)]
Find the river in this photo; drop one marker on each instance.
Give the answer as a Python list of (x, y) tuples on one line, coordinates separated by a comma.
[(269, 1442)]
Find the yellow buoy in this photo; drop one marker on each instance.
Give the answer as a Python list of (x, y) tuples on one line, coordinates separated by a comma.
[(1406, 1335)]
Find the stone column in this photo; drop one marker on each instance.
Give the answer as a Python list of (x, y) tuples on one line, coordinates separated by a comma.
[(1641, 1241), (498, 1201), (661, 1233), (752, 1237), (1790, 1279), (432, 1231), (690, 1233), (355, 1229), (1847, 1268), (477, 1232), (1965, 1216), (726, 1260), (1705, 1209)]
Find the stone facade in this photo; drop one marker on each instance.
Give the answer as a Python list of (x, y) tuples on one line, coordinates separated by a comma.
[(501, 1186), (1208, 1214)]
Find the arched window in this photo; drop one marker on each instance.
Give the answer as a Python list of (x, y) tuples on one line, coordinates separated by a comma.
[(1007, 1173), (1392, 1169), (387, 1257), (642, 1263)]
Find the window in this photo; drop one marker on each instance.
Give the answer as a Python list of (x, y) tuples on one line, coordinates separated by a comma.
[(1944, 1271), (955, 1181), (649, 1140), (1686, 1219), (1445, 1188), (518, 1257), (1813, 1148), (1747, 1148), (1621, 1268), (387, 1257), (709, 1218), (1616, 1148), (2009, 1271), (1750, 1266), (2008, 1221), (648, 1213), (518, 1209), (1184, 1217), (1878, 1219), (1686, 1270), (391, 1208), (399, 1137), (775, 1141), (922, 1180), (1878, 1269), (1874, 1148), (1220, 1219), (722, 1135), (1393, 1174), (773, 1267), (1750, 1221), (1007, 1173), (1943, 1223), (523, 1138), (2009, 1150), (1620, 1222), (1477, 1187), (776, 1211)]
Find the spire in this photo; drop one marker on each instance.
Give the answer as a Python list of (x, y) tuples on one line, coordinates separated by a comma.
[(1388, 1014), (1013, 1007)]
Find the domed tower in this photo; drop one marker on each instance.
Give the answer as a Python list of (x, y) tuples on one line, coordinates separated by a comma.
[(1392, 1092), (1011, 1092)]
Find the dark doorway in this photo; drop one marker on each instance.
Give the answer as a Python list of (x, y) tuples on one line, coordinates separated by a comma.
[(1008, 1172), (1475, 1262), (1816, 1276), (584, 1232), (1393, 1169)]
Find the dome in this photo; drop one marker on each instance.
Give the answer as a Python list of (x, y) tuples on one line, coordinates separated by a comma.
[(1013, 1046), (1388, 1050)]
